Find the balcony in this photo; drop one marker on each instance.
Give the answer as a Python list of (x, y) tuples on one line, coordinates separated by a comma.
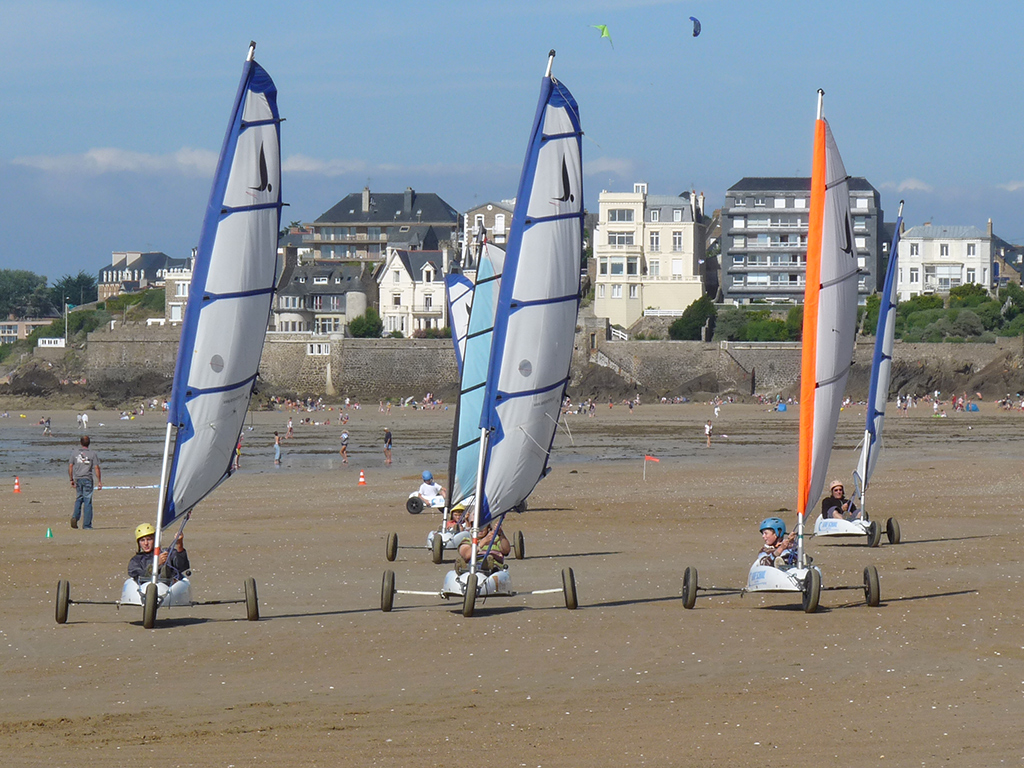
[(426, 310)]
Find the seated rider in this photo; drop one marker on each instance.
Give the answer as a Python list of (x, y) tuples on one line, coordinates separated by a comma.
[(779, 548), (836, 506), (174, 563), (496, 555), (429, 490)]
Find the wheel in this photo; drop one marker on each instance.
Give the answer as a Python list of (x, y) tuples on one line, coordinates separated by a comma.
[(469, 601), (892, 530), (63, 599), (252, 604), (812, 591), (391, 548), (518, 545), (569, 588), (871, 594), (520, 507), (387, 591), (414, 505), (149, 606), (689, 587), (874, 534)]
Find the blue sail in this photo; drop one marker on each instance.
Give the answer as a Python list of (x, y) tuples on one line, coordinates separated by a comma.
[(230, 298), (538, 302), (881, 364), (459, 292)]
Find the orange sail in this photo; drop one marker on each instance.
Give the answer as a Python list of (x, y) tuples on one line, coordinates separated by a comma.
[(830, 315)]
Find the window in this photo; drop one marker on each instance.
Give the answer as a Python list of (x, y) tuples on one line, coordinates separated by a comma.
[(602, 266), (428, 276), (914, 250), (677, 214), (634, 291), (633, 265), (396, 300), (373, 233), (478, 224), (616, 291), (861, 242), (499, 224), (861, 262), (620, 238), (970, 249), (677, 268), (320, 280), (739, 241), (620, 214), (600, 291), (800, 202), (655, 215), (943, 249), (971, 275), (618, 266), (737, 261), (757, 278), (318, 349), (654, 268), (428, 302), (860, 203), (396, 276), (759, 202), (915, 275), (175, 316), (181, 289), (737, 280), (640, 188), (677, 241), (780, 202), (317, 303), (655, 241), (739, 222), (860, 223)]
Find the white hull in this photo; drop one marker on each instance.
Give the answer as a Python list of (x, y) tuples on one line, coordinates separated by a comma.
[(451, 539), (498, 583), (837, 527), (766, 578), (177, 594)]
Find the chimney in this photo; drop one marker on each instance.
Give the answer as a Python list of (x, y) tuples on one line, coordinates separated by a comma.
[(407, 200), (366, 199), (990, 229), (702, 204)]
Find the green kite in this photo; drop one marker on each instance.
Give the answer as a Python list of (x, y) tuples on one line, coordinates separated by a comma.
[(604, 33)]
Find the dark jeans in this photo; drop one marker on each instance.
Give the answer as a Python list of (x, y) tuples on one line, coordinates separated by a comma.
[(83, 500)]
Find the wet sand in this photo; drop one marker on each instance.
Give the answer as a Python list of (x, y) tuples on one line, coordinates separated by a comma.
[(932, 676)]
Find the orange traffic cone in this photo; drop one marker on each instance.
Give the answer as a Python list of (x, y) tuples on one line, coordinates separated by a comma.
[(362, 478), (17, 485)]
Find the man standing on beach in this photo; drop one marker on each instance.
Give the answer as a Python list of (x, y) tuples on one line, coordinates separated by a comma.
[(707, 432), (83, 462), (387, 445)]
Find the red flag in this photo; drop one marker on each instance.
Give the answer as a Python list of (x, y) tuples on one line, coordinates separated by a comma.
[(650, 458)]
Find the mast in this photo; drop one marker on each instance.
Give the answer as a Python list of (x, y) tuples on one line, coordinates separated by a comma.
[(161, 500)]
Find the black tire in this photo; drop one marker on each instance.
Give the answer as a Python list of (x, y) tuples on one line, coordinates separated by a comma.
[(469, 601), (63, 600), (518, 545), (892, 530), (414, 505), (874, 534), (812, 591), (689, 587), (149, 606), (437, 549), (520, 507), (252, 603), (872, 596), (391, 547), (387, 592), (569, 589)]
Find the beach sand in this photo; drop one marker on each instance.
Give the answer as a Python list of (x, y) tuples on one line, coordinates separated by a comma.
[(932, 676)]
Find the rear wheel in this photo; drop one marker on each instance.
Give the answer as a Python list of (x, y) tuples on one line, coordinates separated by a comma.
[(469, 601), (871, 594), (391, 547), (812, 591), (892, 530), (387, 591), (437, 549), (63, 600), (874, 534), (569, 588), (520, 507), (414, 505), (149, 606), (689, 587), (252, 604), (518, 545)]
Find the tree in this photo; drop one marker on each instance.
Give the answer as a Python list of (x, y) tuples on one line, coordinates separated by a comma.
[(795, 322), (16, 287), (367, 326), (80, 289), (689, 326)]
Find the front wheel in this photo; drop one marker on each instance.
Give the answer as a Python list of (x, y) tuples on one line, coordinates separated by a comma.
[(391, 547), (874, 534), (469, 601), (149, 606), (519, 545), (414, 505), (689, 587), (63, 600), (812, 591), (387, 592), (252, 605), (892, 530), (437, 549), (569, 588), (871, 593)]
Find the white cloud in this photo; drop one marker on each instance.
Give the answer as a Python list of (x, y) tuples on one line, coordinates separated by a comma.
[(103, 160), (1011, 186), (913, 185), (337, 167), (605, 165), (306, 164)]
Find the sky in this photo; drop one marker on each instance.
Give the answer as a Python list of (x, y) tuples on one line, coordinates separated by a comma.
[(113, 112)]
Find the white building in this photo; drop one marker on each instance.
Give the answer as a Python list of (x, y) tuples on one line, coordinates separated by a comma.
[(934, 259), (411, 289), (648, 251)]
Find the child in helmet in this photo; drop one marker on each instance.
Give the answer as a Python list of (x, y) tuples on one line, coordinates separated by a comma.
[(779, 548), (430, 490), (141, 566)]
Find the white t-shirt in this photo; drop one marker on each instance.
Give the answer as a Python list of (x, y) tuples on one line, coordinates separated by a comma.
[(430, 490)]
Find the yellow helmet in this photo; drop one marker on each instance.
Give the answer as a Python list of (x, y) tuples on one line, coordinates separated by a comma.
[(146, 529)]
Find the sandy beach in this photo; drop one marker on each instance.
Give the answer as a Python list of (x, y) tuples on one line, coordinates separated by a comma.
[(933, 676)]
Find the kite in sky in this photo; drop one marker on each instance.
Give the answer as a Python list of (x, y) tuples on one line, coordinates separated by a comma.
[(696, 26), (604, 33)]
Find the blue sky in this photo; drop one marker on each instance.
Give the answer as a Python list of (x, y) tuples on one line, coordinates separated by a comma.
[(113, 112)]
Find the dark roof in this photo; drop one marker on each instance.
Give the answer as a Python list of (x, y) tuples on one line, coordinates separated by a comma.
[(790, 184), (387, 207), (148, 263), (348, 274), (293, 238), (414, 261)]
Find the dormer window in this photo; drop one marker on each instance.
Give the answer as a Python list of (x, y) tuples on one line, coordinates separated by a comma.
[(320, 281), (428, 276)]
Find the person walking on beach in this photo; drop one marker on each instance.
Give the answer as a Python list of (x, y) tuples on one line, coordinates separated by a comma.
[(85, 420), (84, 462), (344, 447), (290, 433), (277, 449), (707, 432), (387, 445)]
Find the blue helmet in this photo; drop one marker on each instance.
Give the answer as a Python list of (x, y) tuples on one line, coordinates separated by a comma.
[(427, 477), (775, 524)]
